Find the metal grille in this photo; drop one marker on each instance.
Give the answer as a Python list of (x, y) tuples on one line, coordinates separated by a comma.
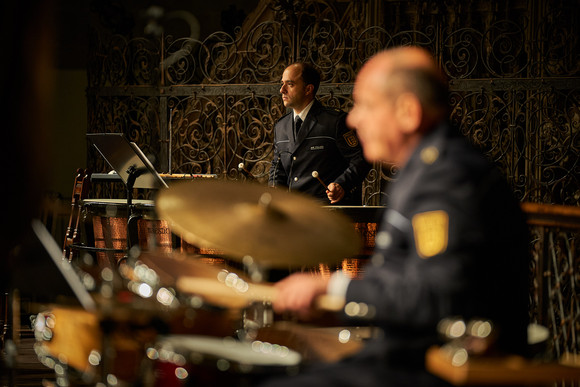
[(204, 105), (555, 302)]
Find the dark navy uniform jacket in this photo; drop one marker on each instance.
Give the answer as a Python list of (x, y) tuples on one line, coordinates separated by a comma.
[(452, 242), (323, 144)]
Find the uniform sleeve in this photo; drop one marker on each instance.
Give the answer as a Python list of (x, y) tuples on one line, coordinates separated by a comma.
[(350, 148), (402, 286), (277, 176), (448, 251)]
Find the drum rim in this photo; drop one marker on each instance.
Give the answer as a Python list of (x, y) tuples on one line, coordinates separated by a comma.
[(230, 349)]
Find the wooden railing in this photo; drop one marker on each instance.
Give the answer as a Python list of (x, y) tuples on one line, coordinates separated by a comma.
[(552, 215), (555, 247)]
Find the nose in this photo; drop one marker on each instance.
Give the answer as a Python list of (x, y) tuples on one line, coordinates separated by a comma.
[(282, 89)]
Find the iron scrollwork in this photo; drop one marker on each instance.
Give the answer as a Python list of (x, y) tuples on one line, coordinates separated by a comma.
[(203, 105)]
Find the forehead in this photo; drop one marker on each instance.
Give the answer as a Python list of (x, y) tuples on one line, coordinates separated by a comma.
[(368, 81), (292, 73)]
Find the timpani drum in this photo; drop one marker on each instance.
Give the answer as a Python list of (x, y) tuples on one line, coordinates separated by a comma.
[(107, 219)]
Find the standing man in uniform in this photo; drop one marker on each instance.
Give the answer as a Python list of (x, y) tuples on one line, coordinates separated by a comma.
[(452, 241), (313, 138)]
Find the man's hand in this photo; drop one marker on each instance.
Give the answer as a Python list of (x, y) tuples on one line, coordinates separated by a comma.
[(297, 292), (334, 192)]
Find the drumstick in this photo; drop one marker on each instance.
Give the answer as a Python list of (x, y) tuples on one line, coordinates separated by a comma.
[(223, 295), (324, 302), (315, 175)]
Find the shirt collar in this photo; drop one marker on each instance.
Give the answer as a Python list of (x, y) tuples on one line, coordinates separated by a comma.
[(304, 111)]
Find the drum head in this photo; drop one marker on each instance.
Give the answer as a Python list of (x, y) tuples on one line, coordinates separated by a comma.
[(256, 353), (212, 361)]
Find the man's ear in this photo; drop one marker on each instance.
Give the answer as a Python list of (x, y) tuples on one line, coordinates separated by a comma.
[(309, 89), (409, 112)]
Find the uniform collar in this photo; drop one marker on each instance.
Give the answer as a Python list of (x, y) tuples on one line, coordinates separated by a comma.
[(433, 141), (429, 149)]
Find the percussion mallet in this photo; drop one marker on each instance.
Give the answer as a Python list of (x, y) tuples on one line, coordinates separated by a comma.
[(245, 172), (315, 175)]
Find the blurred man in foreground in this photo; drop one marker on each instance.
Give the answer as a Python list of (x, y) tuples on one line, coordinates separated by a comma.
[(452, 241)]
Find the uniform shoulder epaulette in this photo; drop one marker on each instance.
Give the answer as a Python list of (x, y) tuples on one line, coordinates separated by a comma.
[(281, 118), (333, 111)]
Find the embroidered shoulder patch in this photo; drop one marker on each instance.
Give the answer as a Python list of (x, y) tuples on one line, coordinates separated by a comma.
[(431, 230), (351, 138)]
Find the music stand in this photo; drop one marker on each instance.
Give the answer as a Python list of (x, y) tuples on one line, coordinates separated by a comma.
[(127, 159), (64, 267), (132, 166)]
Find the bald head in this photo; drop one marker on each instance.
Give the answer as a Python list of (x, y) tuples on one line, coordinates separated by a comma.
[(299, 85), (411, 69), (399, 95), (402, 58)]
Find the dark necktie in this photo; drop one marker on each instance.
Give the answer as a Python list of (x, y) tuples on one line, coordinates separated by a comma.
[(298, 124)]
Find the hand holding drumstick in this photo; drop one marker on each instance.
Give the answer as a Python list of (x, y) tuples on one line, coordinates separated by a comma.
[(334, 191), (297, 293)]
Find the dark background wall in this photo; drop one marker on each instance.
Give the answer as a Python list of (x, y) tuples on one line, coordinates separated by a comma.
[(514, 69), (529, 76), (66, 144), (203, 103)]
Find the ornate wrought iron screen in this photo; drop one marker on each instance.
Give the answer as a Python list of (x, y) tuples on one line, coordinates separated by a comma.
[(203, 105), (556, 254)]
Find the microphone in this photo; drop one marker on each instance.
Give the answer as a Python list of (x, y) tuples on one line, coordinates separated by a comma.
[(245, 172), (275, 174), (277, 165), (315, 175)]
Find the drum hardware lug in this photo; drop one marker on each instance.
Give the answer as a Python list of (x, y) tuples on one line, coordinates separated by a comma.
[(258, 315)]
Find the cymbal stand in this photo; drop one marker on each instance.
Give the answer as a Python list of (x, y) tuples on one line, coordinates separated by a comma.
[(258, 314), (132, 234)]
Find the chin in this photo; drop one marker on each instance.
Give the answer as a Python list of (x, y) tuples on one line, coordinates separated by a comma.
[(370, 156)]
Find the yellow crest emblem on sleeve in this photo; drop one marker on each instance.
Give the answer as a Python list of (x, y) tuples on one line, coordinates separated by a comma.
[(431, 230), (350, 138)]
